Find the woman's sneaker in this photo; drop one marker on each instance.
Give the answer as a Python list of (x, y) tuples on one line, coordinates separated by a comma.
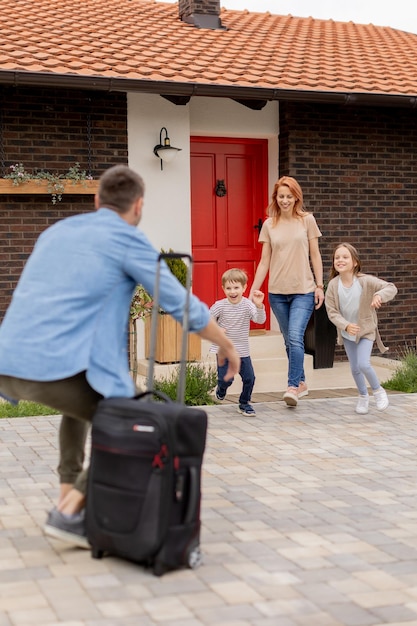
[(362, 405), (302, 390), (381, 399), (291, 396), (246, 409), (68, 528)]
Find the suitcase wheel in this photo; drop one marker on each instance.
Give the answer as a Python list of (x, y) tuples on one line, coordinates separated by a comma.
[(96, 553), (194, 558)]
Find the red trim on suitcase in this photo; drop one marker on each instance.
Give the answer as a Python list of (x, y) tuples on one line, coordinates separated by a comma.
[(161, 457)]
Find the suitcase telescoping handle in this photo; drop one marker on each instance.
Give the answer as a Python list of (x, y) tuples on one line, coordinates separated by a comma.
[(185, 321)]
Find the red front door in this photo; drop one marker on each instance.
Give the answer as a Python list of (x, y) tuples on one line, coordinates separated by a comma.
[(229, 195)]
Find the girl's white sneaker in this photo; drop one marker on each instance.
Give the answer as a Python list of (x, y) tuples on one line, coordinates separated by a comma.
[(362, 405), (381, 399)]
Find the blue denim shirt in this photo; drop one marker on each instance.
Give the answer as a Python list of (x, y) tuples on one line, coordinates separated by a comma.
[(70, 310)]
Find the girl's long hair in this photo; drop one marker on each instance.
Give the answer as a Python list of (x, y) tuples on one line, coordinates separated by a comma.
[(273, 209), (355, 258)]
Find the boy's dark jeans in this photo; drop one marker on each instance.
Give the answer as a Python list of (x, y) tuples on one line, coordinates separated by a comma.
[(247, 375)]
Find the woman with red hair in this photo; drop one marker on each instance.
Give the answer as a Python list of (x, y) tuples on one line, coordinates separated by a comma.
[(291, 255)]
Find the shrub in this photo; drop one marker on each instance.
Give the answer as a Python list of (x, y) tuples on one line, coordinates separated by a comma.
[(405, 376), (178, 267), (200, 381), (142, 301)]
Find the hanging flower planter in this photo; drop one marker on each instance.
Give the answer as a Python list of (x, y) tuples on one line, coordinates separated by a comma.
[(20, 181), (42, 186)]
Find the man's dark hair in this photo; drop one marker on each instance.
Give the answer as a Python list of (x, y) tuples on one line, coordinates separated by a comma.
[(119, 188)]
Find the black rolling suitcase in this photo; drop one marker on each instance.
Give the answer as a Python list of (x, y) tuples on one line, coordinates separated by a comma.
[(144, 484)]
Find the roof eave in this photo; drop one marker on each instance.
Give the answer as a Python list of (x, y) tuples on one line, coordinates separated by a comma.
[(104, 83)]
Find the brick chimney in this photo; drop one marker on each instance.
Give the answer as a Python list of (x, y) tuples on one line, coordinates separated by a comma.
[(200, 13)]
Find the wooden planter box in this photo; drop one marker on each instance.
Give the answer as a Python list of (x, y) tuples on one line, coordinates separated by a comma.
[(168, 341), (41, 187), (320, 339)]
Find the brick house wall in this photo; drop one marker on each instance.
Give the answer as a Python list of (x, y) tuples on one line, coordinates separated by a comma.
[(357, 168), (52, 129)]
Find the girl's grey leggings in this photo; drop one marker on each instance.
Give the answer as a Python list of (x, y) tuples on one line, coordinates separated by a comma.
[(359, 355)]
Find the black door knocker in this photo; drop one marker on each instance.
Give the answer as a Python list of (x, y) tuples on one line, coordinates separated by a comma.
[(220, 188)]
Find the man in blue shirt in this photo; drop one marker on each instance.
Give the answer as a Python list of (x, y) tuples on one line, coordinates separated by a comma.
[(63, 341)]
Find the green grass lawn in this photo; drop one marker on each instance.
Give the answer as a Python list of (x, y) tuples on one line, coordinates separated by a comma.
[(25, 409)]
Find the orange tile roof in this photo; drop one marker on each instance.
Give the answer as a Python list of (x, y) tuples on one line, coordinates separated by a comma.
[(141, 41)]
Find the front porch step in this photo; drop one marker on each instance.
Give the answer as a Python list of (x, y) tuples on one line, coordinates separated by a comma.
[(268, 357), (271, 367)]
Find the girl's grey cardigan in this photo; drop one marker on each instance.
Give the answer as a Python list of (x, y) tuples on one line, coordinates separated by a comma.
[(367, 318)]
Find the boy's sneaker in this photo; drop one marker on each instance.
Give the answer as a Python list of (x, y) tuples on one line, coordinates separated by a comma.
[(220, 394), (302, 390), (362, 405), (68, 528), (381, 399), (246, 409), (291, 396)]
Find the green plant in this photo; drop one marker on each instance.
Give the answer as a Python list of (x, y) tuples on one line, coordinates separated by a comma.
[(200, 380), (178, 267), (25, 409), (18, 174), (142, 301), (76, 174), (405, 376), (141, 305), (55, 182)]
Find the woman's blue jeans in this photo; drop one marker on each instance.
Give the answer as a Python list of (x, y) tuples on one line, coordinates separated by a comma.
[(293, 312)]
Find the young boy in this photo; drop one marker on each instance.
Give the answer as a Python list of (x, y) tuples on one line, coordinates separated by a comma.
[(234, 314)]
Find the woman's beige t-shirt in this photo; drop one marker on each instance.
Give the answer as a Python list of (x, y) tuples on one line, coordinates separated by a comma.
[(289, 270)]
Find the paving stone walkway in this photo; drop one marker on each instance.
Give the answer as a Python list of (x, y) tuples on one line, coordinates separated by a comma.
[(309, 519)]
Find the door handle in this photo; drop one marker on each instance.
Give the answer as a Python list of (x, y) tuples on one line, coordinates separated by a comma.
[(258, 225)]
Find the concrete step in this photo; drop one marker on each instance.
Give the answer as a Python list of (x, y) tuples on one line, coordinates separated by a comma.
[(271, 367), (262, 344), (269, 361), (268, 356)]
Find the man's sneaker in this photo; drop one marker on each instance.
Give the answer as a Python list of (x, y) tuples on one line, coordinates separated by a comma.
[(220, 394), (246, 409), (302, 390), (68, 528), (291, 396), (381, 399), (362, 405)]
